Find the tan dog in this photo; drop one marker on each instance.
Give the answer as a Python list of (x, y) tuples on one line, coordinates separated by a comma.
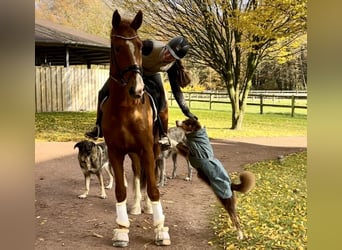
[(201, 156), (93, 158)]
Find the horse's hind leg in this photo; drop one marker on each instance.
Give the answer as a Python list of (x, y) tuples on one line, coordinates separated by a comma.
[(136, 167)]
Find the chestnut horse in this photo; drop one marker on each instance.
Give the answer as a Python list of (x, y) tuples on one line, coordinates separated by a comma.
[(127, 125)]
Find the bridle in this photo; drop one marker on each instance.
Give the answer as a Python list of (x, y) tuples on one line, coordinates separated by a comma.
[(121, 73)]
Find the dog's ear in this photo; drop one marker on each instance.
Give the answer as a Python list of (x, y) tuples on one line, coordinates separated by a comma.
[(183, 149), (198, 126), (77, 145)]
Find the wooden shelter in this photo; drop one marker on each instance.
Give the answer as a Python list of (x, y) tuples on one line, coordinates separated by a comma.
[(60, 45)]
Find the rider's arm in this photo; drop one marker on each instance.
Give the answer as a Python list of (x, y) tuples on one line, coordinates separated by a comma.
[(177, 92)]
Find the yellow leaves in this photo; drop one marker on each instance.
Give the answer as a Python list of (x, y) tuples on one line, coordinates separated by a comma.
[(272, 216), (230, 247)]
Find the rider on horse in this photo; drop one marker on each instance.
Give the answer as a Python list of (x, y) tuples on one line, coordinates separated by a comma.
[(156, 57)]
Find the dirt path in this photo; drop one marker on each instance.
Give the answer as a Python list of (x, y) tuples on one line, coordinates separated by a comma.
[(65, 222)]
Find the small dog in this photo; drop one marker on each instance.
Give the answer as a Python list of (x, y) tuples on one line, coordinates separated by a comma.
[(201, 156), (176, 136), (93, 158)]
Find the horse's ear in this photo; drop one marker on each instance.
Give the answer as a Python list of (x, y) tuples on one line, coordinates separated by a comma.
[(137, 21), (116, 19)]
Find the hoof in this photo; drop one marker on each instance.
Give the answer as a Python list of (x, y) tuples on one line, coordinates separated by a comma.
[(120, 244), (162, 236), (135, 210), (103, 196), (148, 210), (120, 237)]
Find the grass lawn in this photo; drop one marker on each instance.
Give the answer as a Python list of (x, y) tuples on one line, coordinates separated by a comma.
[(71, 126)]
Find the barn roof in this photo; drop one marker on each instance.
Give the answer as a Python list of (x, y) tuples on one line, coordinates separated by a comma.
[(60, 45)]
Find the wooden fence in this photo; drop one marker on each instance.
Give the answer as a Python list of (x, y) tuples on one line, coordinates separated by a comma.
[(68, 89), (76, 89), (255, 98)]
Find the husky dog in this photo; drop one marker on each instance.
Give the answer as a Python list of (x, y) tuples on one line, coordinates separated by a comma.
[(93, 158), (211, 171), (176, 136)]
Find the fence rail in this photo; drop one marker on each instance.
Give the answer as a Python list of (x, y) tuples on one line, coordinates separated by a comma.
[(76, 89), (255, 98)]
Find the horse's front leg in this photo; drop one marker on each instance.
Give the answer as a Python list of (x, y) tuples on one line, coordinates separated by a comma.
[(120, 235), (162, 237)]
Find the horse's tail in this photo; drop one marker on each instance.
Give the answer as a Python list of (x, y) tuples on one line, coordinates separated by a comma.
[(247, 182)]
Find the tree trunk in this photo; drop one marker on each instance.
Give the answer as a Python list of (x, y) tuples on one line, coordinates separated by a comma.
[(237, 112), (239, 105), (237, 119)]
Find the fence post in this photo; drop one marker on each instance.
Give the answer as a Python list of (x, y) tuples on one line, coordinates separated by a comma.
[(261, 104), (292, 105), (189, 100), (171, 98), (210, 96)]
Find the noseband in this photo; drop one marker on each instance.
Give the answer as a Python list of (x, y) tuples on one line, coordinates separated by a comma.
[(132, 68)]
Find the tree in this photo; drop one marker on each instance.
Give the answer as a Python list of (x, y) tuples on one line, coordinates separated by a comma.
[(91, 16), (289, 72), (229, 36)]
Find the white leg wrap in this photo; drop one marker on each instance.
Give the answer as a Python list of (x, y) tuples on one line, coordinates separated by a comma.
[(158, 216), (121, 214)]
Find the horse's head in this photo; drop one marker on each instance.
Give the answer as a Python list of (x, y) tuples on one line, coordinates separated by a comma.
[(126, 57)]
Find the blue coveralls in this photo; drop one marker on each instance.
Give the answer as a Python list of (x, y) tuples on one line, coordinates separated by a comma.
[(202, 157)]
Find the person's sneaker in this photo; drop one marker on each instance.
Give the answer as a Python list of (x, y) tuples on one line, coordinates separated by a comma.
[(95, 133), (165, 143)]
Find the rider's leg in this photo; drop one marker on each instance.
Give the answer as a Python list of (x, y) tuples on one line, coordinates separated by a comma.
[(163, 123), (154, 86), (96, 132)]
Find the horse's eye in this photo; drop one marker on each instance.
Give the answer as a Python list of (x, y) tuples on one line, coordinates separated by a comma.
[(117, 50)]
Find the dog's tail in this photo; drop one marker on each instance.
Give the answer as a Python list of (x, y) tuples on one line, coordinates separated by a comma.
[(247, 182)]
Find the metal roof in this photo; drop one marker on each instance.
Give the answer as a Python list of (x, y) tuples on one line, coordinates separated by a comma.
[(60, 45)]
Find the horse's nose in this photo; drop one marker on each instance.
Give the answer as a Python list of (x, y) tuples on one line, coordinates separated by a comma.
[(137, 90), (136, 93)]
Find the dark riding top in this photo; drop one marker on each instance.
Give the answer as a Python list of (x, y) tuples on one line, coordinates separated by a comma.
[(152, 64), (151, 58)]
